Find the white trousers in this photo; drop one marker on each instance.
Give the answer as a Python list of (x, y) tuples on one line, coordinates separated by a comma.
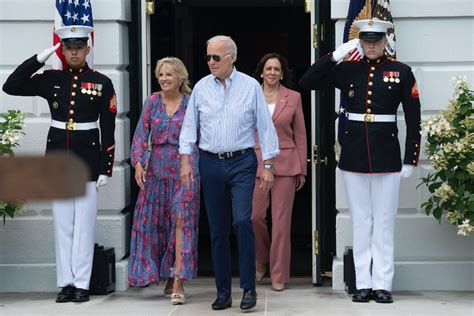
[(373, 205), (74, 228)]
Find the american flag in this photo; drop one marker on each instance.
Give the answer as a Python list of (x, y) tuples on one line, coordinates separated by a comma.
[(72, 12)]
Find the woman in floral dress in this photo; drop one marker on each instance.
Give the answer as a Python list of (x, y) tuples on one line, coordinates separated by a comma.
[(165, 224)]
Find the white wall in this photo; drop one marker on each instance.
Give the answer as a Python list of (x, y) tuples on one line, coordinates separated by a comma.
[(435, 38), (27, 242)]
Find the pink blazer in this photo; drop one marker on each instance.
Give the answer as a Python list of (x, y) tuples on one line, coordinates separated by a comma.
[(288, 119)]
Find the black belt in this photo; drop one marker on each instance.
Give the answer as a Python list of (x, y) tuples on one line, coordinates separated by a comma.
[(229, 154)]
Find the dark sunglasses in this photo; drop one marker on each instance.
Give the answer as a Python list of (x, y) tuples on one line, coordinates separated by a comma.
[(216, 58)]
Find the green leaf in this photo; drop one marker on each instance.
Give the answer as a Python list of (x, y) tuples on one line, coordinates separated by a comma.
[(437, 212)]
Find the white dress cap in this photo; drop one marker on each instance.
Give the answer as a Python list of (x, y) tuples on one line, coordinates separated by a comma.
[(74, 33), (373, 25)]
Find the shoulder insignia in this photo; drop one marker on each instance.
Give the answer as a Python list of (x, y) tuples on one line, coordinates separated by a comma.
[(414, 91), (113, 104)]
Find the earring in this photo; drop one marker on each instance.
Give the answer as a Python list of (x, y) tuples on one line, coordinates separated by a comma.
[(281, 78), (261, 76)]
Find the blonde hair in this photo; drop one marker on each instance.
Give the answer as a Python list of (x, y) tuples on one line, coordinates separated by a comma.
[(179, 68)]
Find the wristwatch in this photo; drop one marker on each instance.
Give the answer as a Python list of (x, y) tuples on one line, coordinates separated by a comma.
[(269, 167)]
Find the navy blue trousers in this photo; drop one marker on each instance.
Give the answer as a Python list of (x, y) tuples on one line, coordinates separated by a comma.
[(229, 183)]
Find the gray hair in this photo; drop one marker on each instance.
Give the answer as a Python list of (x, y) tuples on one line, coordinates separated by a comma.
[(229, 41)]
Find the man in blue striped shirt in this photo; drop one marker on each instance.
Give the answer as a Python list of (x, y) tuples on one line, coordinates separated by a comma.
[(224, 111)]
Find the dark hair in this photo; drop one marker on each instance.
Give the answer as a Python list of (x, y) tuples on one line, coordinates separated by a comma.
[(287, 80)]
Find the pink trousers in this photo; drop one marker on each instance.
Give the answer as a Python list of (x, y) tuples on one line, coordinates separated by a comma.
[(276, 251)]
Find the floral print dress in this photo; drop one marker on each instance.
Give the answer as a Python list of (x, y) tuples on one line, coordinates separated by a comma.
[(165, 221)]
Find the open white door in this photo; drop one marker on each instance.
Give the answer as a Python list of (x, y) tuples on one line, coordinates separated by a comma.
[(316, 268), (146, 9)]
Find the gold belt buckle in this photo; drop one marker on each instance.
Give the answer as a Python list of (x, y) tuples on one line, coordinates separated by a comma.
[(369, 118), (70, 126)]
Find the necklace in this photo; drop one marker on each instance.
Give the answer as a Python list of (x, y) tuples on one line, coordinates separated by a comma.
[(171, 106), (270, 97)]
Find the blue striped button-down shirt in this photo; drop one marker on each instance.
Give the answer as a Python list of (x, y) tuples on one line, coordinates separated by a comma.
[(226, 119)]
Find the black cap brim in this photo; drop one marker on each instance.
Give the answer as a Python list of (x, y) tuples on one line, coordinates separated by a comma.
[(371, 36), (74, 41)]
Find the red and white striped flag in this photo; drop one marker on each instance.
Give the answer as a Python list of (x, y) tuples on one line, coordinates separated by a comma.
[(72, 12)]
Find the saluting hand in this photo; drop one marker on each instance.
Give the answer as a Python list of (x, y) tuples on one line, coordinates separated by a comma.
[(44, 55), (140, 175), (345, 49)]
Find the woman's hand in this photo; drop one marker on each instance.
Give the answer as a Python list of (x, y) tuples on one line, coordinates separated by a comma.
[(300, 182), (140, 175)]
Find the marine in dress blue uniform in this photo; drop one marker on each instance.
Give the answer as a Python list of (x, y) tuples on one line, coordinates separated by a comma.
[(370, 159), (80, 100)]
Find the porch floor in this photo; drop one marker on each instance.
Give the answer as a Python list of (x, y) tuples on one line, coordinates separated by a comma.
[(300, 298)]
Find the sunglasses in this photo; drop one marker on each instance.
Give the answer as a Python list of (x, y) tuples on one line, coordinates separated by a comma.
[(216, 58)]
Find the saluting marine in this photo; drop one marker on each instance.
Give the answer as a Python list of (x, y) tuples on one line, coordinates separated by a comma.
[(370, 160), (80, 99)]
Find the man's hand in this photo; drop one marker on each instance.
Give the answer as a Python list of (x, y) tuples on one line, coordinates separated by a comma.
[(345, 49), (300, 182), (101, 181), (140, 175), (44, 55), (406, 171), (186, 172), (266, 180)]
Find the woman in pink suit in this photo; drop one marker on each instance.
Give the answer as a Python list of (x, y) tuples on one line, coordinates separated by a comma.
[(289, 171)]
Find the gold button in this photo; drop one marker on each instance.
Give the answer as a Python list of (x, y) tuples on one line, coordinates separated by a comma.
[(414, 161), (80, 70), (110, 163), (371, 75), (369, 101), (73, 93), (71, 112), (416, 145), (415, 153), (352, 85), (372, 68), (371, 83), (74, 85), (72, 102), (75, 77), (369, 111), (71, 120), (393, 135), (55, 94), (369, 93), (93, 144), (378, 60), (110, 155), (347, 132), (49, 140)]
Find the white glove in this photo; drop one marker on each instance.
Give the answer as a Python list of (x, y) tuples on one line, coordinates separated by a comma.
[(406, 171), (345, 49), (44, 55), (102, 180)]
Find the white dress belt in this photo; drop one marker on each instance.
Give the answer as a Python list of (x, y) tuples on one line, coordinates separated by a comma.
[(72, 126), (369, 118)]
